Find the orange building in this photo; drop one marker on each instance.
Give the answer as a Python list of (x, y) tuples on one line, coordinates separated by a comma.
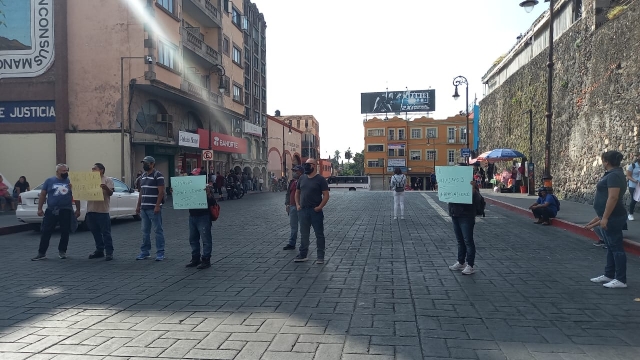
[(325, 168), (416, 146)]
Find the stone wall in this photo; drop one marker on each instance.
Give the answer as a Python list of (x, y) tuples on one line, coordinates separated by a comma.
[(596, 103)]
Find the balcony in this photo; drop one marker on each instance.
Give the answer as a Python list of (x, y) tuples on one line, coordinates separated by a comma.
[(193, 41), (199, 92), (204, 12)]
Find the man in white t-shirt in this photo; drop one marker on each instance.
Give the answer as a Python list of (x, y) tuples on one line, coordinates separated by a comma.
[(633, 175)]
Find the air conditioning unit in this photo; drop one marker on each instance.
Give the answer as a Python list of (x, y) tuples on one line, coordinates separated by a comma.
[(451, 141), (164, 118)]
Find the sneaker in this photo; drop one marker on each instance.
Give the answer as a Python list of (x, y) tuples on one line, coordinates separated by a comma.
[(615, 284), (39, 257), (319, 261), (289, 247), (160, 257), (630, 217), (143, 257), (300, 258), (468, 270), (401, 217), (62, 255), (599, 243), (457, 267), (601, 279), (96, 255), (205, 264), (395, 218), (108, 258)]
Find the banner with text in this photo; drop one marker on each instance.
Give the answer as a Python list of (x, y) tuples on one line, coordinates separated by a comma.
[(40, 111), (398, 101), (86, 186), (397, 162), (454, 184), (189, 192), (252, 129), (188, 139)]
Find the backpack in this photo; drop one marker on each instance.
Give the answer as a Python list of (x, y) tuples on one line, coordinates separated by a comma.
[(400, 185), (557, 201), (480, 206)]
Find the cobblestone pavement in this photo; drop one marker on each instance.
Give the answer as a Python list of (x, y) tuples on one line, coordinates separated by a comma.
[(384, 293)]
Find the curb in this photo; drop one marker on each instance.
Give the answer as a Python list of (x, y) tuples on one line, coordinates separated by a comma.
[(631, 247), (7, 230)]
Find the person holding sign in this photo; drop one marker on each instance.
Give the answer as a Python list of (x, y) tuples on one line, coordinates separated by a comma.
[(98, 217), (57, 190), (152, 190)]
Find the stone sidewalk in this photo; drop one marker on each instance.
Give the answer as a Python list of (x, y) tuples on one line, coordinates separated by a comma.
[(384, 293)]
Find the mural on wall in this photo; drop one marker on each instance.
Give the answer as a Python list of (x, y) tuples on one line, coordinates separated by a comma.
[(26, 37)]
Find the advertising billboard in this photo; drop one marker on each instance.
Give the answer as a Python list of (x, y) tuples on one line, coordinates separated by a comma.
[(398, 101), (396, 162)]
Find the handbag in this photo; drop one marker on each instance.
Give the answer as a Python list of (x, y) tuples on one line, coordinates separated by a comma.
[(636, 195), (214, 210)]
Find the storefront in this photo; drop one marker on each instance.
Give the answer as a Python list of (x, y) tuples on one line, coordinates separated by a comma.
[(190, 155), (223, 146)]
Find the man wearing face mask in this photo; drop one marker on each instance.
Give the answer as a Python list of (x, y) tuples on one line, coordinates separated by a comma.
[(57, 190), (152, 190), (98, 217), (312, 194), (292, 211)]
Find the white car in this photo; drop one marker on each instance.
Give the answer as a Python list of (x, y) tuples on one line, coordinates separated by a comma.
[(123, 204)]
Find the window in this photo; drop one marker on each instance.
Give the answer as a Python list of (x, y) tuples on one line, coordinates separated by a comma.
[(451, 135), (401, 135), (432, 133), (463, 134), (247, 83), (416, 154), (247, 112), (237, 55), (451, 156), (371, 132), (256, 117), (375, 148), (167, 55), (264, 94), (392, 133), (256, 89), (167, 4), (416, 133), (247, 54), (225, 45), (225, 6), (237, 93), (256, 62), (227, 88), (401, 152), (374, 163), (235, 17), (432, 155), (391, 152)]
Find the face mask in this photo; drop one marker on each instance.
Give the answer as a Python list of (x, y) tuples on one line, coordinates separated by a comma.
[(64, 175), (296, 175), (308, 169), (146, 167)]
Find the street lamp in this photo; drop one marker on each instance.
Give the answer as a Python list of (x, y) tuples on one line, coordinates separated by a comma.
[(434, 151), (284, 158), (222, 88), (532, 182), (460, 80), (547, 178)]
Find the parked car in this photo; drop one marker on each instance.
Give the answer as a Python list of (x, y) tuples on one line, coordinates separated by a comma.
[(123, 204)]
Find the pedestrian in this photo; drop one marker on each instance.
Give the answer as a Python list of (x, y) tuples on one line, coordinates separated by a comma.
[(611, 216), (633, 175), (98, 217), (398, 182), (219, 183), (57, 190), (152, 191), (292, 211), (138, 177), (260, 182), (6, 195), (312, 194), (545, 208), (200, 222), (463, 218)]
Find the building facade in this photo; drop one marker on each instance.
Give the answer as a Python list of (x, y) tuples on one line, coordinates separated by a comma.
[(311, 133), (283, 139), (143, 78), (416, 147)]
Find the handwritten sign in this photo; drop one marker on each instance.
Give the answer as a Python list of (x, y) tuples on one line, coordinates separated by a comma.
[(454, 184), (189, 192), (86, 186)]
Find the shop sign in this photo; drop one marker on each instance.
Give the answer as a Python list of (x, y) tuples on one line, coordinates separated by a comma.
[(27, 111), (222, 143), (396, 146), (252, 129), (188, 139), (397, 162)]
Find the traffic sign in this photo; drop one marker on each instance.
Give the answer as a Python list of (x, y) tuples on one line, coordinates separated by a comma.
[(207, 155), (466, 152)]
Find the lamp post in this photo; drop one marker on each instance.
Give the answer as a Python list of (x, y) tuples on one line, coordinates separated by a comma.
[(284, 158), (532, 182), (460, 80), (434, 151), (221, 87), (528, 6)]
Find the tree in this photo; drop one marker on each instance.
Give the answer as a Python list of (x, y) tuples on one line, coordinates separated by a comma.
[(358, 163), (336, 156), (348, 155)]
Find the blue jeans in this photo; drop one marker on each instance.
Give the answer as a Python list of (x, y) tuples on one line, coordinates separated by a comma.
[(543, 214), (148, 219), (200, 228), (293, 222), (616, 267), (308, 218), (100, 226), (463, 228)]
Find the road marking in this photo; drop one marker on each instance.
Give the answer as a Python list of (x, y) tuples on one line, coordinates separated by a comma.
[(437, 207)]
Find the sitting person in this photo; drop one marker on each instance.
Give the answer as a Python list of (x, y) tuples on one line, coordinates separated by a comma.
[(545, 208), (5, 195), (21, 186)]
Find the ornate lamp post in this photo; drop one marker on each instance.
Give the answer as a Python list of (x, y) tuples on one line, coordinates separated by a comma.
[(460, 80)]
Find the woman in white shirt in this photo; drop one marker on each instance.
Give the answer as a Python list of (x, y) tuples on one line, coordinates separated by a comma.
[(398, 182)]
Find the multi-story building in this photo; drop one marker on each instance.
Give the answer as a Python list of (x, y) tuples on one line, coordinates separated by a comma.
[(416, 146), (147, 77), (283, 139), (311, 133)]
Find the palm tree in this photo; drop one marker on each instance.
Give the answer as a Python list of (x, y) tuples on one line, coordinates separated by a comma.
[(336, 156), (2, 16), (348, 155)]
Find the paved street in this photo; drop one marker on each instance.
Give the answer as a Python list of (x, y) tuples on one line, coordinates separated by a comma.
[(384, 293)]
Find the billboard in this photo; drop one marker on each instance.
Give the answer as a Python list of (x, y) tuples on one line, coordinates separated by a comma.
[(396, 162), (398, 101)]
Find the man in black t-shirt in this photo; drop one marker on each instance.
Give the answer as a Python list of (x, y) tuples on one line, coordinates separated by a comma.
[(312, 194)]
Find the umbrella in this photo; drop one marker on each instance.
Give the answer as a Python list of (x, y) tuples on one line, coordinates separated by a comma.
[(500, 154)]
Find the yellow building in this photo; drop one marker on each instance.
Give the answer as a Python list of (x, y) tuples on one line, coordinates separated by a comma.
[(416, 146)]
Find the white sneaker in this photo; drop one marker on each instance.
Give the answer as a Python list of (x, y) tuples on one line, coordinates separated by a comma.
[(601, 279), (456, 267), (395, 218), (630, 217), (401, 217), (615, 284), (468, 270)]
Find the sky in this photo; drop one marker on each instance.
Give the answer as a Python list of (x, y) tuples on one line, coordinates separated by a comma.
[(322, 54), (17, 15)]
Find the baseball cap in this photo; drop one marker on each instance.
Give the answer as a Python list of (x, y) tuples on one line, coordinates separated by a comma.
[(149, 160), (297, 168)]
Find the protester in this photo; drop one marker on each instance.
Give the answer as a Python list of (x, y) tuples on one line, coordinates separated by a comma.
[(98, 217), (633, 175), (292, 211), (545, 208), (152, 192), (5, 195), (200, 223), (312, 194), (611, 216), (398, 182), (57, 190), (463, 218)]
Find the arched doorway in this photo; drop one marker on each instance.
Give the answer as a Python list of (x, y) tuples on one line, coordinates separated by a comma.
[(191, 122), (147, 119), (237, 170)]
